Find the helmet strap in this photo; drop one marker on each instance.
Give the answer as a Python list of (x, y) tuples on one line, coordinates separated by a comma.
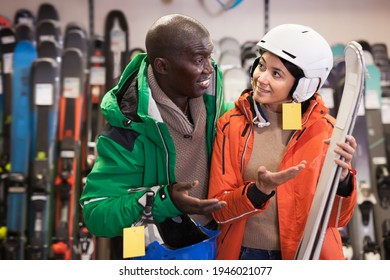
[(151, 229)]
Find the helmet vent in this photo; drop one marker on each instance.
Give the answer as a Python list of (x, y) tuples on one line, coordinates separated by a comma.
[(289, 54)]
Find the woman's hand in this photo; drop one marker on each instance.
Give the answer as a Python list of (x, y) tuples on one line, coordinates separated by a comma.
[(345, 150), (267, 181)]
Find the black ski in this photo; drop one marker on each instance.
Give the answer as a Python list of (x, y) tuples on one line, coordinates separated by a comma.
[(45, 76), (117, 46)]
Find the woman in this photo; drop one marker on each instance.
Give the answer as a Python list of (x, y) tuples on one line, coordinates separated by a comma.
[(267, 174)]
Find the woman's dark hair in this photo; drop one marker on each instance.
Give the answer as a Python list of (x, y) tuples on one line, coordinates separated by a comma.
[(297, 74)]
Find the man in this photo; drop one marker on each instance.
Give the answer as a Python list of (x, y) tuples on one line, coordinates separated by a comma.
[(161, 126)]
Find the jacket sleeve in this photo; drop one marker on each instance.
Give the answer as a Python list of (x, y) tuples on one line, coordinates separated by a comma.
[(113, 188), (343, 207), (226, 181)]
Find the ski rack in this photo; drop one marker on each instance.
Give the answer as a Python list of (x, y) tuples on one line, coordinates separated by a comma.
[(317, 222)]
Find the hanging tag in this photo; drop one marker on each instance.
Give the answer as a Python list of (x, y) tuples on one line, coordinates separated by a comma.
[(133, 242), (292, 117)]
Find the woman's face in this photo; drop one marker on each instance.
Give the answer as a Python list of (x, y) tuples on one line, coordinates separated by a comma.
[(272, 82), (190, 73)]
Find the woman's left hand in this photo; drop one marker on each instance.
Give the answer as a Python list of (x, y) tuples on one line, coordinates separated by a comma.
[(345, 150)]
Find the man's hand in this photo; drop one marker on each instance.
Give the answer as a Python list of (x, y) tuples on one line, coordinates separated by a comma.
[(267, 181), (192, 205)]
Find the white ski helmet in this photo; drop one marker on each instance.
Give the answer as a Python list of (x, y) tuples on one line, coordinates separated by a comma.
[(305, 48)]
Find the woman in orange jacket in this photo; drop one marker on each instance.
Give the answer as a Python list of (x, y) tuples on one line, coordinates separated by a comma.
[(268, 174)]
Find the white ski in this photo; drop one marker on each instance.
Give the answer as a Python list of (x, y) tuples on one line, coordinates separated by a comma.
[(317, 221)]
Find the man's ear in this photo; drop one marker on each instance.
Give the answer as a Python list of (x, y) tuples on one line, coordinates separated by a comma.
[(161, 65)]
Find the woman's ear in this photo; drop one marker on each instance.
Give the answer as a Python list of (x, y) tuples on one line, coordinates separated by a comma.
[(161, 65)]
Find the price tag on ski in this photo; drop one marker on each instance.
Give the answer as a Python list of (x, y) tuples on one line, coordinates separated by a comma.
[(317, 221)]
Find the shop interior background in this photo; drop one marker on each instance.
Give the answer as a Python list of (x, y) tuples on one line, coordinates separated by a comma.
[(339, 21)]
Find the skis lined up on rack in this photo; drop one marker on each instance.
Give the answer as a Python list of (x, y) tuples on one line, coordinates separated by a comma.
[(376, 141), (318, 218), (54, 129)]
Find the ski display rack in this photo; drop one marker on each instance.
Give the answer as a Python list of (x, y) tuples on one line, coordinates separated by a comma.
[(382, 62), (376, 140), (40, 215), (317, 222)]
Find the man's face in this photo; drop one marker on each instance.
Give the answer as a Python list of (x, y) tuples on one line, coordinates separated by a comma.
[(190, 72)]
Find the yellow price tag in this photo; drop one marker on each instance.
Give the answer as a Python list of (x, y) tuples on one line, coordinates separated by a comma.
[(133, 242), (292, 116)]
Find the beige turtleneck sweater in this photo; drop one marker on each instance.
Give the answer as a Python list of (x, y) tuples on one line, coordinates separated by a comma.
[(262, 230), (189, 140)]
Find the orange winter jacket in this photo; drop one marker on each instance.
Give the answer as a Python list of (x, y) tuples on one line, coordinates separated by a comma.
[(232, 149)]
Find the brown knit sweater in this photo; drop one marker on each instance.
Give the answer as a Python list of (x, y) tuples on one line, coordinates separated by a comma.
[(262, 230), (189, 140)]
